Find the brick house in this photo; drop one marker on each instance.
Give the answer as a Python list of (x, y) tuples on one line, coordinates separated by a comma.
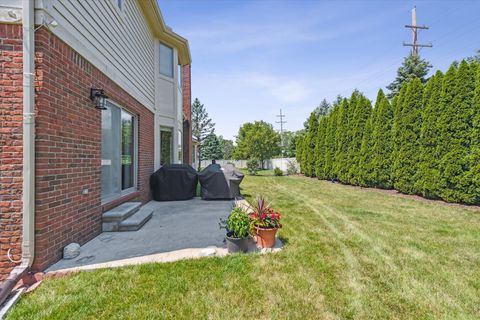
[(111, 104)]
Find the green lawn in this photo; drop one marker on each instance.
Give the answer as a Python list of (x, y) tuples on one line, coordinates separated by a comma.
[(351, 253)]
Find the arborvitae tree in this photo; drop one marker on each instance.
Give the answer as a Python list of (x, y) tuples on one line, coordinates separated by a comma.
[(457, 118), (342, 142), (361, 114), (428, 178), (320, 148), (299, 155), (367, 170), (473, 174), (412, 67), (309, 147), (397, 106), (330, 143), (407, 156), (381, 161), (354, 101)]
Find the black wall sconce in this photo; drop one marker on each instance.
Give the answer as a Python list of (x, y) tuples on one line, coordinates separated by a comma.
[(99, 98)]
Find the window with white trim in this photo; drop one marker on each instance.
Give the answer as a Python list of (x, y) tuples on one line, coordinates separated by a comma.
[(166, 60), (119, 152)]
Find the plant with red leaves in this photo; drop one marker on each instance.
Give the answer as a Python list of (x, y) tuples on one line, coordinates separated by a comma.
[(262, 215)]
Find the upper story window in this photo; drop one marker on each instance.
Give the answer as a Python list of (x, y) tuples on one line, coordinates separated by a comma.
[(179, 71), (166, 60)]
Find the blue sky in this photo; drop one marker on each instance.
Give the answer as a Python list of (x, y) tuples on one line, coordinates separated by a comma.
[(251, 58)]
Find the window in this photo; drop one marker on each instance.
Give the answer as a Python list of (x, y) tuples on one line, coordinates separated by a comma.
[(118, 152), (166, 60), (179, 147), (179, 77), (166, 145)]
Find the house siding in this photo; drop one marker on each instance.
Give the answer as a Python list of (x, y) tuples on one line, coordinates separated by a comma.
[(118, 43)]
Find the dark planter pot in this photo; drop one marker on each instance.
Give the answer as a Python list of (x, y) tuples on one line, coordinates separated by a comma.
[(236, 244)]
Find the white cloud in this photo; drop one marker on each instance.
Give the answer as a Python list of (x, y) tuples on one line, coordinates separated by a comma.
[(284, 90)]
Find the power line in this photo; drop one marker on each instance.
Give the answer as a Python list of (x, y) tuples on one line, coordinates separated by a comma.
[(415, 45), (281, 122)]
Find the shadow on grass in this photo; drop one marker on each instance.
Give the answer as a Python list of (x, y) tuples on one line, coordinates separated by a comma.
[(284, 240)]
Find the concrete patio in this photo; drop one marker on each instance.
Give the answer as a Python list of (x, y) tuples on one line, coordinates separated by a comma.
[(177, 229)]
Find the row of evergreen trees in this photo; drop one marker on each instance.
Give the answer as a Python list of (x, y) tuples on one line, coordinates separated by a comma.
[(425, 141)]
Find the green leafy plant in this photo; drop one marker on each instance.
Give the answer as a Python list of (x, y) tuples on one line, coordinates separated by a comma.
[(292, 167), (252, 166), (262, 215), (237, 224), (277, 172)]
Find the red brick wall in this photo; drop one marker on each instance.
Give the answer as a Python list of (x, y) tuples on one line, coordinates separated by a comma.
[(187, 111), (11, 113), (68, 148)]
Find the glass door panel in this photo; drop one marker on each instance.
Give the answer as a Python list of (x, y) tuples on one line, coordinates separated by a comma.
[(110, 156), (127, 150), (118, 151)]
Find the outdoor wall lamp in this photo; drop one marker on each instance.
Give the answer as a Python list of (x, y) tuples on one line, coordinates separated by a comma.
[(99, 98)]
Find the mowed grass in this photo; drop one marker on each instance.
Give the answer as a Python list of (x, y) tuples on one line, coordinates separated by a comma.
[(350, 254)]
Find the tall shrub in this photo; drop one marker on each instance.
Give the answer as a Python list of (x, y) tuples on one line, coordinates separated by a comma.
[(408, 133), (361, 115), (320, 148), (457, 118), (367, 169), (397, 104), (428, 178), (299, 154), (309, 146), (381, 160), (342, 161), (473, 174), (330, 146)]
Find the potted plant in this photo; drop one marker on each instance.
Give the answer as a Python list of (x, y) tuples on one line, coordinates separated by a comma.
[(265, 223), (237, 225)]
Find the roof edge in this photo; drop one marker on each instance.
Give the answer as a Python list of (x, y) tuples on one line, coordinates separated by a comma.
[(160, 30)]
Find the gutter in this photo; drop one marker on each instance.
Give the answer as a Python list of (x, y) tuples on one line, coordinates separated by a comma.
[(28, 199)]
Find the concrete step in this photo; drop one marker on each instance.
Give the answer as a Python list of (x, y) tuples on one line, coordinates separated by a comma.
[(122, 212), (136, 221)]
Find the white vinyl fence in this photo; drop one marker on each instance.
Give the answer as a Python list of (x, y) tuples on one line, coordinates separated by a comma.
[(281, 163)]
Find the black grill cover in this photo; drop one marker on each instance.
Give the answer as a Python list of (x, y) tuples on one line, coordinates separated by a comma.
[(174, 182), (220, 183)]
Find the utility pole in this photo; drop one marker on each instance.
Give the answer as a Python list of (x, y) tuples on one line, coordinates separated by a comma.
[(281, 122), (415, 45)]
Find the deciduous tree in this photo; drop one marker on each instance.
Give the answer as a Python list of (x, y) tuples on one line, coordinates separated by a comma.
[(257, 140)]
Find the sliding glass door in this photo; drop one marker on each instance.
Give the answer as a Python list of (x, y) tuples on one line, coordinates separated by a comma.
[(118, 152)]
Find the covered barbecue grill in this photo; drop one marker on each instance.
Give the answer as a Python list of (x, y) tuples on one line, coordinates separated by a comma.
[(220, 183), (174, 182)]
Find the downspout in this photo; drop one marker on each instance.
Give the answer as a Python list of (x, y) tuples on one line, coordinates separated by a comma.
[(28, 214)]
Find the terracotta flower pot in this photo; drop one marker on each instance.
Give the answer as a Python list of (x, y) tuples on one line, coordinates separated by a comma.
[(265, 237)]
